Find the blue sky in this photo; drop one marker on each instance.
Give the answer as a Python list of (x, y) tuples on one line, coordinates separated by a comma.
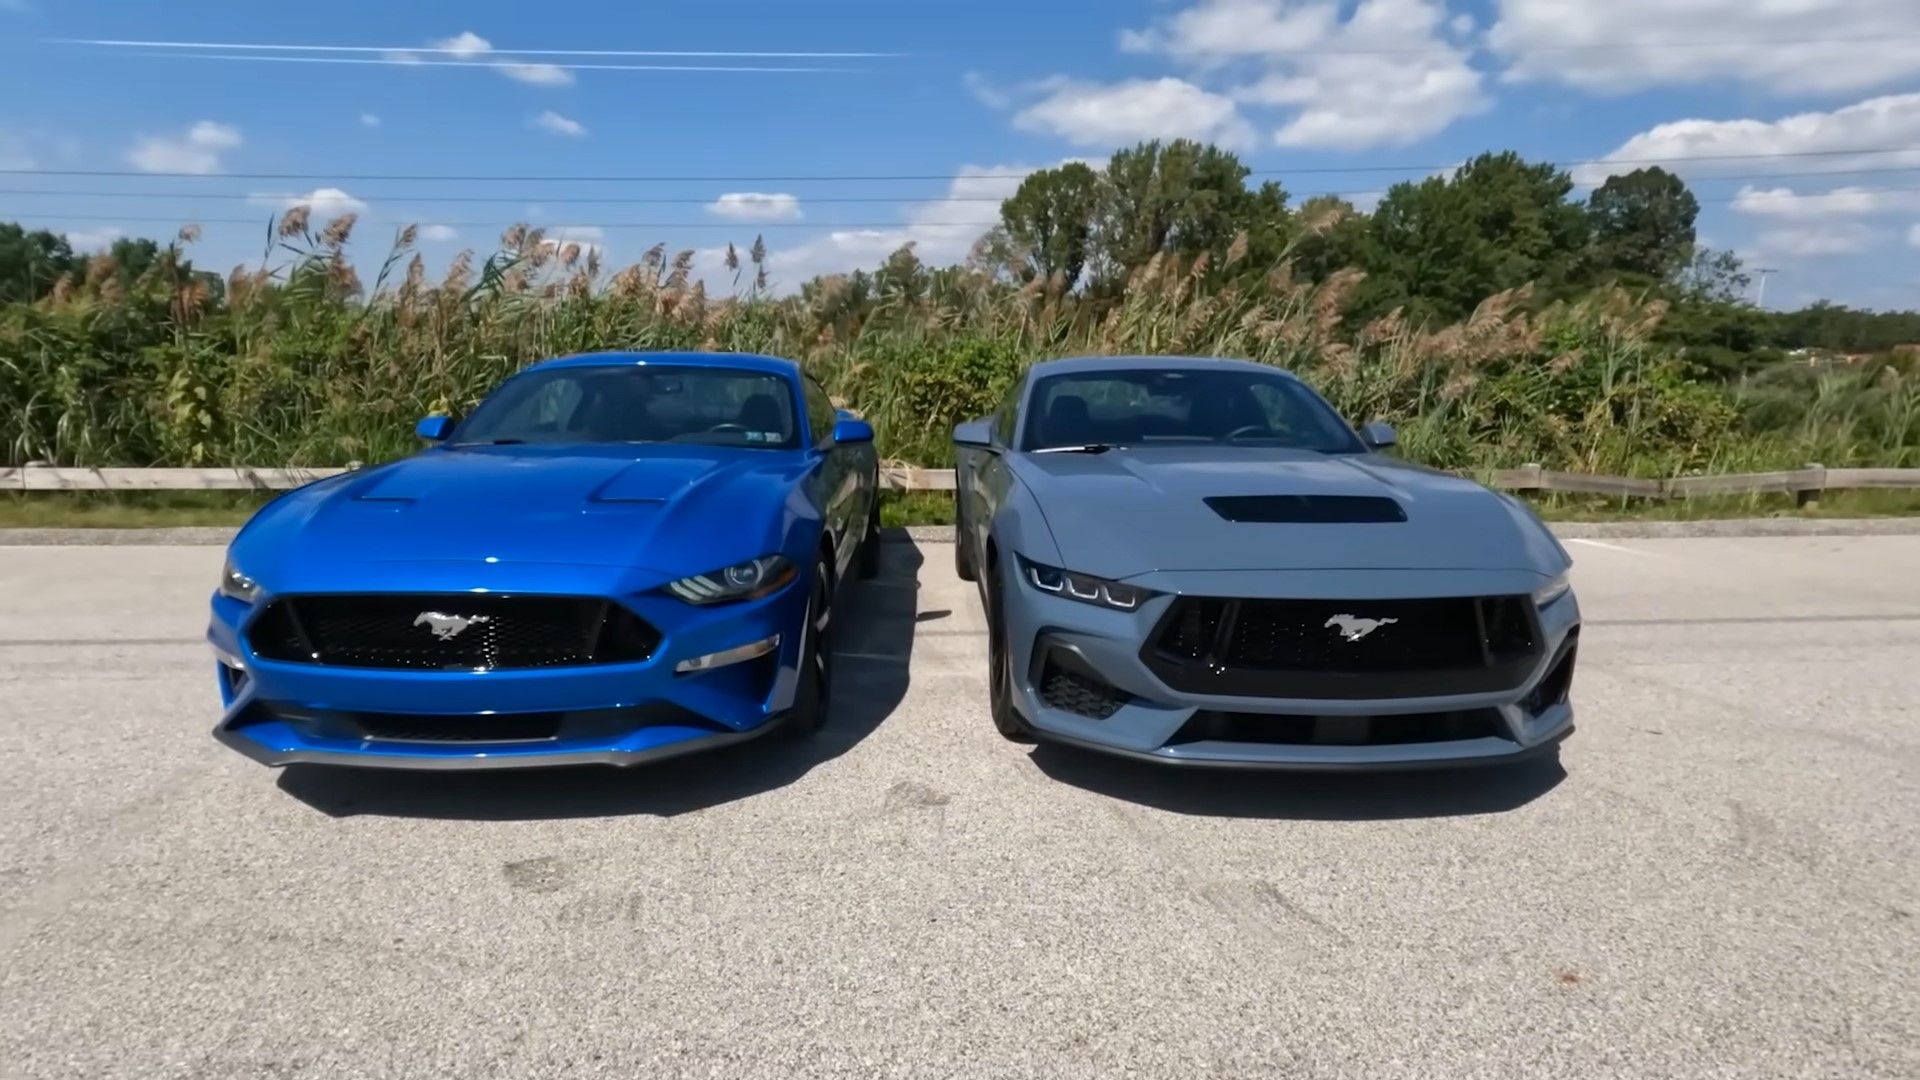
[(1809, 112)]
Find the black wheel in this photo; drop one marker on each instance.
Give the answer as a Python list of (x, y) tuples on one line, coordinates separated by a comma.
[(1006, 719), (810, 698), (962, 556), (870, 543)]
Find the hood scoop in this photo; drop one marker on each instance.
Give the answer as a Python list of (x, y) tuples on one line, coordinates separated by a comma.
[(1307, 509)]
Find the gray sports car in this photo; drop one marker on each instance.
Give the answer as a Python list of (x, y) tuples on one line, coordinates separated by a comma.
[(1199, 562)]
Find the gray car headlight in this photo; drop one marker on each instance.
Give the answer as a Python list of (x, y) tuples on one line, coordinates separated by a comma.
[(749, 580), (1085, 588), (236, 584), (1552, 590)]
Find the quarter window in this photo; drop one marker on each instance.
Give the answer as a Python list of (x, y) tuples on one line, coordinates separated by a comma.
[(820, 412)]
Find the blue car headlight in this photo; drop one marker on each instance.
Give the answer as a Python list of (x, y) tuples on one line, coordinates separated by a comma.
[(749, 580), (237, 585), (1085, 588)]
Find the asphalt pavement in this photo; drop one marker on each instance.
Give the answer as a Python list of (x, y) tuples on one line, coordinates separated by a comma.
[(1719, 877)]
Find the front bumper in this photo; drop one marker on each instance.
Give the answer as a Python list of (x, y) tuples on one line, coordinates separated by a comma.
[(285, 713), (1155, 722)]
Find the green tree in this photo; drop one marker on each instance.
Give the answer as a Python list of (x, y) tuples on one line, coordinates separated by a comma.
[(1050, 220), (1642, 223), (1444, 244), (30, 262), (1184, 198)]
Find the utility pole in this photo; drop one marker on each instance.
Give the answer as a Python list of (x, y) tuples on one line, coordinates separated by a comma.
[(1760, 300)]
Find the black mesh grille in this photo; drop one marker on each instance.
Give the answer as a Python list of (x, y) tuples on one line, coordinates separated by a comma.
[(1395, 730), (462, 631), (1075, 693), (1344, 648)]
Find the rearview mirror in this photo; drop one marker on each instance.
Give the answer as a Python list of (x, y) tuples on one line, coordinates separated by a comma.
[(1379, 436), (434, 428), (848, 429), (977, 434)]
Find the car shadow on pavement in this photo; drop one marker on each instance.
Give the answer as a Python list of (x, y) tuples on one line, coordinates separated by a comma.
[(870, 679), (1304, 796)]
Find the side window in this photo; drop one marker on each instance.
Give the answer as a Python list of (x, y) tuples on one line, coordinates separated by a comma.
[(1005, 419), (820, 413)]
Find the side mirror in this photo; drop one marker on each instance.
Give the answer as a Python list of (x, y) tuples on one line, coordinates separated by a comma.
[(847, 429), (976, 434), (1379, 436), (434, 428)]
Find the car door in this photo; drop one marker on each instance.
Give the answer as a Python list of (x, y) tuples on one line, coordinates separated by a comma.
[(841, 507), (986, 480)]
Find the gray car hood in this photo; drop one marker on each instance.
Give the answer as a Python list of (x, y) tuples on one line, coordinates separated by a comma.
[(1134, 511)]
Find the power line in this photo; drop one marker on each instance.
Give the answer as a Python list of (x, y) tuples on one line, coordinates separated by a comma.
[(462, 50), (630, 200), (903, 177), (753, 226)]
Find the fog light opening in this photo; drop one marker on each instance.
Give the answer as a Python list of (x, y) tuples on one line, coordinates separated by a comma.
[(753, 650)]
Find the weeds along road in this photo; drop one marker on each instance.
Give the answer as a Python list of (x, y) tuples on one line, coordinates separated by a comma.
[(1723, 881)]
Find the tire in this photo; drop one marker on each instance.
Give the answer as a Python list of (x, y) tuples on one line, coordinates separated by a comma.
[(962, 555), (870, 543), (1006, 718), (815, 689)]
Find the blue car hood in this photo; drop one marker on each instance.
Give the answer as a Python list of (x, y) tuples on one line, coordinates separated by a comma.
[(1133, 511), (665, 507)]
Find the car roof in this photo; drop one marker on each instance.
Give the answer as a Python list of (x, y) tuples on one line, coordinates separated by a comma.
[(771, 365), (1084, 364)]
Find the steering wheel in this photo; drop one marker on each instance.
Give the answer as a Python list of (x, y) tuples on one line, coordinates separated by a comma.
[(725, 428), (1250, 428)]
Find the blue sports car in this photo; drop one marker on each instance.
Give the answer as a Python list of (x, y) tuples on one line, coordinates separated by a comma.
[(614, 558), (1198, 562)]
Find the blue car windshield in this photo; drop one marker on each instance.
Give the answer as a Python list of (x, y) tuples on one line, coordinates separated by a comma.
[(636, 403), (1182, 406)]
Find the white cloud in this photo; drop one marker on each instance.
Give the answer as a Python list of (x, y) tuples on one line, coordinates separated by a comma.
[(756, 206), (1107, 115), (368, 119), (1823, 140), (401, 56), (439, 234), (1841, 202), (1913, 236), (469, 46), (1777, 46), (196, 151), (536, 74), (560, 125), (94, 239), (591, 239), (1385, 76), (326, 202), (1813, 242), (943, 233), (466, 45)]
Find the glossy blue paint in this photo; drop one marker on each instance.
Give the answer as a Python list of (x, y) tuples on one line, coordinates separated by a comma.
[(434, 428), (851, 430), (610, 521)]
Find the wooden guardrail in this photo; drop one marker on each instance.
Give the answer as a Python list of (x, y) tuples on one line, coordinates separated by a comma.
[(1804, 483)]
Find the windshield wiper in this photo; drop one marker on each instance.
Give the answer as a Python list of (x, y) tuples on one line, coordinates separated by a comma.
[(492, 442), (1083, 448)]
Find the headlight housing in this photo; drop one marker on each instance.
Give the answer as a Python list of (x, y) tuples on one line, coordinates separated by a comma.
[(1553, 590), (237, 585), (748, 580), (1085, 588)]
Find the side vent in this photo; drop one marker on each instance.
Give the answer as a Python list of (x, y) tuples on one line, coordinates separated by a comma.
[(1307, 509)]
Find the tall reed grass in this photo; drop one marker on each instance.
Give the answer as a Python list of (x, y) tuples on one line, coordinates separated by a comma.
[(299, 362)]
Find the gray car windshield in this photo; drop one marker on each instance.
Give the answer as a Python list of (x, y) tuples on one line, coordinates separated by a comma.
[(1182, 406), (627, 404)]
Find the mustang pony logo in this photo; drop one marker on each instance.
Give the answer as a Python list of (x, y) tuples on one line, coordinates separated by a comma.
[(1353, 628), (447, 627)]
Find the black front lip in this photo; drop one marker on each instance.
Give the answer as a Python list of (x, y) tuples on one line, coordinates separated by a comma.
[(1474, 761), (234, 740)]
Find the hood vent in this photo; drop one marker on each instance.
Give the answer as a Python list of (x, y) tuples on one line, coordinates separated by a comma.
[(1307, 509)]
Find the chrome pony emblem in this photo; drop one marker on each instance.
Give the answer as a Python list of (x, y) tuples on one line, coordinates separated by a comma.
[(1353, 628), (447, 627)]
